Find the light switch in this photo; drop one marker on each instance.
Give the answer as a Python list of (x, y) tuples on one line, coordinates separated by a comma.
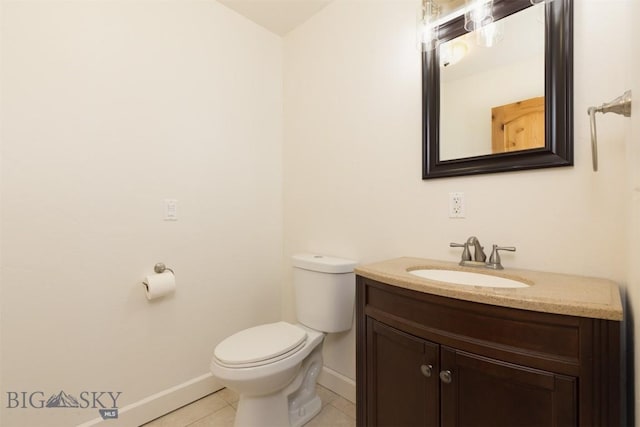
[(170, 210)]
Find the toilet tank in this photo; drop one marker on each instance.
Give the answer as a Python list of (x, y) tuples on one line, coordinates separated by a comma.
[(325, 290)]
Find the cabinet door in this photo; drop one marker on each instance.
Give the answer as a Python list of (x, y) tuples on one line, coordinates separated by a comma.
[(402, 378), (487, 392)]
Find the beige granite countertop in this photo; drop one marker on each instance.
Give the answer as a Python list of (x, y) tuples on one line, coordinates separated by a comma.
[(548, 292)]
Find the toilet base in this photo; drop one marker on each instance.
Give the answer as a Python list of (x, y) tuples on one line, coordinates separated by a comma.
[(303, 414), (273, 411), (256, 411), (293, 406)]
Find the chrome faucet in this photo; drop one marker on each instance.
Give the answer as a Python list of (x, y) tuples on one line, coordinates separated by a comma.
[(478, 251), (479, 257)]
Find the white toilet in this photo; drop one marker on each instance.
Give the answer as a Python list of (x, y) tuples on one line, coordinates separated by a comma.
[(274, 367)]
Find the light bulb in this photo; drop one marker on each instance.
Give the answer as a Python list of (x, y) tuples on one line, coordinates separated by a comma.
[(427, 30), (478, 14)]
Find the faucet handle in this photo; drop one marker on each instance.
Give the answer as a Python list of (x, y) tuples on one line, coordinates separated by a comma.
[(466, 254), (494, 259)]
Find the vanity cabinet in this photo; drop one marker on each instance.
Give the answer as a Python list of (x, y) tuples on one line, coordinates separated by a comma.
[(427, 360)]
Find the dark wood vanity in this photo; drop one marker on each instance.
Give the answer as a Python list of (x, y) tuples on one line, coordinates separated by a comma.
[(432, 360)]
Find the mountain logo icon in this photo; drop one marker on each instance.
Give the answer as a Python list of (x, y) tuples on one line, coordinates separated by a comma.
[(62, 400)]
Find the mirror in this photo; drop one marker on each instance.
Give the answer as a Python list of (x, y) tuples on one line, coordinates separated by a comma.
[(498, 117), (502, 108)]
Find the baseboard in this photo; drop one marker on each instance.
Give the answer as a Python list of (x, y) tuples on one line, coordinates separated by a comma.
[(158, 404), (338, 383)]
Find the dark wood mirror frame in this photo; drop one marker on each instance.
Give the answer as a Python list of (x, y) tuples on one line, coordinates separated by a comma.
[(558, 149)]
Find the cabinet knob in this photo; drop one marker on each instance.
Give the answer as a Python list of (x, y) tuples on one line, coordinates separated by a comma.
[(446, 376), (426, 370)]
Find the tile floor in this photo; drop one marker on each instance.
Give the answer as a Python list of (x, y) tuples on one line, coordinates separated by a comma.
[(219, 410)]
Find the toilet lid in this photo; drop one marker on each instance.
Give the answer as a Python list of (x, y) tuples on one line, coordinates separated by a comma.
[(260, 343)]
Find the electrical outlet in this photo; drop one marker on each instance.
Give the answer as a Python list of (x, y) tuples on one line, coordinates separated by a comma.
[(456, 205)]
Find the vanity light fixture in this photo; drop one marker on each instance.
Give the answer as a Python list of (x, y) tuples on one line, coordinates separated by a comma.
[(478, 13), (478, 18), (428, 26)]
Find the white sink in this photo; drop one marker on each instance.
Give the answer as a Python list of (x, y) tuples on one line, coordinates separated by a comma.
[(467, 278)]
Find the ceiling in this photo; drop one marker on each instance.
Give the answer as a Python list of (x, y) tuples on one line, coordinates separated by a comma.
[(277, 16)]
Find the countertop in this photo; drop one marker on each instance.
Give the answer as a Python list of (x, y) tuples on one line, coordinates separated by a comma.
[(548, 292)]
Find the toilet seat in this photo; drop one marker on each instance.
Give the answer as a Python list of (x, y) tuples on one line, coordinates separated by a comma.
[(260, 345)]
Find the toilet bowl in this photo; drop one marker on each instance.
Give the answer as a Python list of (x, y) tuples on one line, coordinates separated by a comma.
[(274, 367)]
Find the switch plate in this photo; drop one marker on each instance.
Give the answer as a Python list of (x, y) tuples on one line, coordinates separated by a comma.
[(456, 205), (170, 210)]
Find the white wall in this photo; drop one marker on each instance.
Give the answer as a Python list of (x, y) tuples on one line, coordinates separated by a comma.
[(633, 236), (1, 198), (108, 107), (352, 147)]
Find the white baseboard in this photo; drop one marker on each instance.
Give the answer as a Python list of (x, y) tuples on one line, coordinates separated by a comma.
[(158, 404), (338, 383)]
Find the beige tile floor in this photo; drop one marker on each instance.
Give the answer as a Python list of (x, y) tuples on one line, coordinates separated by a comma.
[(219, 410)]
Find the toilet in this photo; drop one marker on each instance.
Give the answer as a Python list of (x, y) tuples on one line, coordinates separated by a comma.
[(274, 367)]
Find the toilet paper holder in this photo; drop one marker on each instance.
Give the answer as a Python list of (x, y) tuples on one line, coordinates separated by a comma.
[(161, 268), (159, 284)]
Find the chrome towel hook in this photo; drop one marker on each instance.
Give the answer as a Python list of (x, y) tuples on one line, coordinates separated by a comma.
[(620, 105)]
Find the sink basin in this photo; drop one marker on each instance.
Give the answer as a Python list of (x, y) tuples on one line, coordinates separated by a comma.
[(467, 278)]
